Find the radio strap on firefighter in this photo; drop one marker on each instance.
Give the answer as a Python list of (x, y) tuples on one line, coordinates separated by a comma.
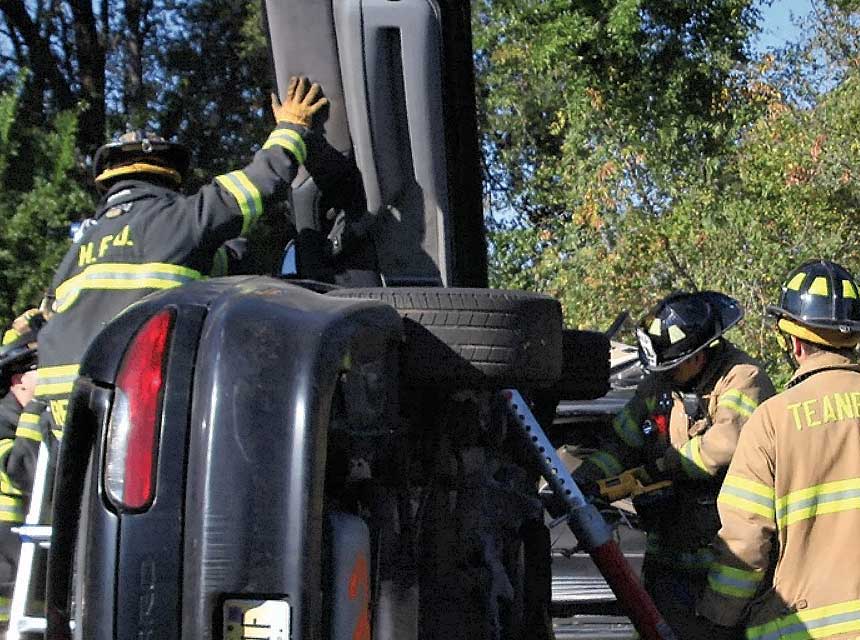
[(588, 526), (35, 537)]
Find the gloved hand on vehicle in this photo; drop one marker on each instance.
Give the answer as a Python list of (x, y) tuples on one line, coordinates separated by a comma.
[(302, 103)]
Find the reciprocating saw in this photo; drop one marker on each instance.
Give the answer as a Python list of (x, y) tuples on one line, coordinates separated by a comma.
[(630, 484)]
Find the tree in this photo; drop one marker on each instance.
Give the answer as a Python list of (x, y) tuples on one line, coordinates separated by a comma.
[(78, 71), (780, 189), (35, 220), (624, 94)]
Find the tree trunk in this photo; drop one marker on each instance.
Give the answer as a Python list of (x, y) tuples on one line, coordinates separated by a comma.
[(134, 96), (91, 65), (42, 59)]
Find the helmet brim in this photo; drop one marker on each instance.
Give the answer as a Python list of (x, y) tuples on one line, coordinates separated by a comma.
[(844, 326), (729, 314), (170, 154), (22, 349)]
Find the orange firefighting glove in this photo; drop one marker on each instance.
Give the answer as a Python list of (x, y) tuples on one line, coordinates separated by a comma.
[(302, 103)]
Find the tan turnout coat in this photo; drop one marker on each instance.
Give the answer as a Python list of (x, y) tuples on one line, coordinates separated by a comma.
[(731, 387), (788, 552)]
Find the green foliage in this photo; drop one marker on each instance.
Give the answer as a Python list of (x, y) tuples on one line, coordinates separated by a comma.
[(726, 188), (36, 220), (572, 95), (195, 71), (217, 98)]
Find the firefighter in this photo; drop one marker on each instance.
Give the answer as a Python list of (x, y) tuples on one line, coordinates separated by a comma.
[(682, 425), (17, 369), (788, 562), (146, 236)]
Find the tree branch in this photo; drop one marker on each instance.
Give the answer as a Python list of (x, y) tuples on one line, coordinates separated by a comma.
[(42, 59), (91, 66)]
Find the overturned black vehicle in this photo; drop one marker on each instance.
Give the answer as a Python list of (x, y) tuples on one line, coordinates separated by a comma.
[(327, 455)]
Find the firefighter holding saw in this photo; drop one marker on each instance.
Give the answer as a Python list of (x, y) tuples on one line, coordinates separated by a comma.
[(680, 431)]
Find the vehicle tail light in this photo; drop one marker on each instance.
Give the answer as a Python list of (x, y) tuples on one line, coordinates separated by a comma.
[(133, 429)]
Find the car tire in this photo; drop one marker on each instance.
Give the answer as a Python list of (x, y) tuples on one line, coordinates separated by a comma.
[(585, 368), (476, 337)]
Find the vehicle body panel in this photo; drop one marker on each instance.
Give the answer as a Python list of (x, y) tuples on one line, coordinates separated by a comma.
[(248, 446), (392, 107)]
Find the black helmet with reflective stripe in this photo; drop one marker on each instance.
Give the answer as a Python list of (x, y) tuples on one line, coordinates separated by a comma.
[(141, 154), (683, 324), (20, 354), (820, 295)]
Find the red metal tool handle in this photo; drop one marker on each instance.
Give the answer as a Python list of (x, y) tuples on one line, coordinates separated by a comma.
[(630, 593), (588, 526)]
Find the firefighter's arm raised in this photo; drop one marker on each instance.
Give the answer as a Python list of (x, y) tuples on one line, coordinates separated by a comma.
[(231, 203), (747, 512), (709, 454)]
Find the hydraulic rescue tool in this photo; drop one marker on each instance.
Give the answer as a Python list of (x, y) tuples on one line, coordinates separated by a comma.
[(588, 526), (630, 484)]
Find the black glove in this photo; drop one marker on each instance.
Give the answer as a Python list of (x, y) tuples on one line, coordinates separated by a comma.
[(656, 470), (347, 231)]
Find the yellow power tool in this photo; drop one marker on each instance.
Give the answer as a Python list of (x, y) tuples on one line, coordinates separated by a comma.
[(629, 484)]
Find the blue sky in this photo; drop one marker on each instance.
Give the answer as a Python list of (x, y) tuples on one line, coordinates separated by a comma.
[(779, 23)]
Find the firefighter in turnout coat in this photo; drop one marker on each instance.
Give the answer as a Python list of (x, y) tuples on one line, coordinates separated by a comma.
[(788, 562), (146, 236), (682, 425), (17, 381)]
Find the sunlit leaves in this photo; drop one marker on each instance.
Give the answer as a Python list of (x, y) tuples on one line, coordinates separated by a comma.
[(680, 165)]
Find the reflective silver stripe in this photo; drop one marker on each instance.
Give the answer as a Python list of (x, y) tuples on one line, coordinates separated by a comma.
[(738, 401), (122, 276), (830, 497), (291, 141), (747, 495), (734, 582)]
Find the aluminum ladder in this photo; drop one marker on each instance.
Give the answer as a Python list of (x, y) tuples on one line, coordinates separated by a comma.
[(35, 538)]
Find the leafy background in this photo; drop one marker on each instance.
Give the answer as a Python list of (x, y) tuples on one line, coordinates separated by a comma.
[(631, 147)]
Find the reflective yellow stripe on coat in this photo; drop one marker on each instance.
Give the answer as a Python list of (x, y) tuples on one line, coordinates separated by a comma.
[(608, 464), (6, 485), (691, 459), (52, 381), (291, 141), (628, 430), (830, 497), (738, 401), (122, 276), (820, 622), (246, 194), (748, 495), (734, 582), (11, 509)]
